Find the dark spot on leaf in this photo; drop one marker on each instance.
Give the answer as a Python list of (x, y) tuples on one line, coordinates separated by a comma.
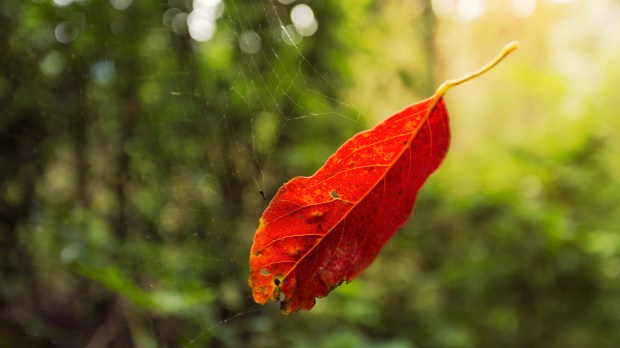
[(334, 194), (276, 282), (315, 217)]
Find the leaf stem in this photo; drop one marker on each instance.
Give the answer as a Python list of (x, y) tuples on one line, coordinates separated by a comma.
[(444, 87)]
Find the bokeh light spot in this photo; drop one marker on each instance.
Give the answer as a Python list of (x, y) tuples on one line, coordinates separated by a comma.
[(524, 8), (249, 42), (202, 20), (66, 32), (200, 28), (179, 23), (209, 8), (169, 15), (158, 39), (302, 17), (121, 4), (443, 8), (71, 253), (290, 36), (53, 64), (103, 72), (470, 10), (62, 3)]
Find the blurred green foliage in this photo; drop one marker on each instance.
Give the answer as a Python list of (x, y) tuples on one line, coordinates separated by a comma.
[(132, 157)]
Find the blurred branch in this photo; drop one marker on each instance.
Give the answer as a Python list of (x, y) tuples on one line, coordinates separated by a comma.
[(107, 332)]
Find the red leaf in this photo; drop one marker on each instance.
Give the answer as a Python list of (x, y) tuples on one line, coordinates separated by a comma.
[(322, 230)]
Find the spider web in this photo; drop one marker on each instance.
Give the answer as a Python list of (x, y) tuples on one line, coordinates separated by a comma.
[(291, 93), (276, 90)]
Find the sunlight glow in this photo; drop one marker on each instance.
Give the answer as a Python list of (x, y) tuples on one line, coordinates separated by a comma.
[(524, 8), (443, 8), (470, 10)]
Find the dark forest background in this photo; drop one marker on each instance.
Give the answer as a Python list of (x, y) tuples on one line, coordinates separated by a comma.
[(132, 158)]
